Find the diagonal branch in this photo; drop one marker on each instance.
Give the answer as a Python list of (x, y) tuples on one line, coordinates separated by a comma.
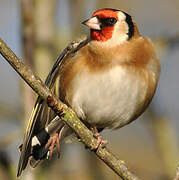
[(66, 114)]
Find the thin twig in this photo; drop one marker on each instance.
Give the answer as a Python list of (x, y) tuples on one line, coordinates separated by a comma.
[(66, 114)]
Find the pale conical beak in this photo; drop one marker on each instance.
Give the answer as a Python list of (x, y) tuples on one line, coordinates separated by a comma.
[(92, 23)]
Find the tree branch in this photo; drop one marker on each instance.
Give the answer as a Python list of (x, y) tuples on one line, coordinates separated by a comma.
[(66, 114)]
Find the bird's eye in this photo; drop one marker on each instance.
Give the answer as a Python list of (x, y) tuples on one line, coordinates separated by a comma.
[(112, 21), (109, 21)]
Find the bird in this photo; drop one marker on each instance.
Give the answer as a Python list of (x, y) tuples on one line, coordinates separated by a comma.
[(108, 79)]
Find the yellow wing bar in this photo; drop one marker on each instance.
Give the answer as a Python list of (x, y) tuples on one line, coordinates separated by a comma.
[(31, 119)]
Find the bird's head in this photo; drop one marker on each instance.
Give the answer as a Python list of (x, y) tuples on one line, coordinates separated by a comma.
[(111, 25)]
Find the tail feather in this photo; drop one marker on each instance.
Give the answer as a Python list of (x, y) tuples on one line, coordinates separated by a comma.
[(42, 152)]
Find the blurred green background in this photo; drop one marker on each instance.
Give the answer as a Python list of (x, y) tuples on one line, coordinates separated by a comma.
[(37, 31)]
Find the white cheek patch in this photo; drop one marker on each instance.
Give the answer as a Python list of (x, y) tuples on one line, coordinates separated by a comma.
[(121, 16), (121, 37)]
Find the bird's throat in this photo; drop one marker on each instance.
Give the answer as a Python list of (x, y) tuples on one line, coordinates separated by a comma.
[(102, 35)]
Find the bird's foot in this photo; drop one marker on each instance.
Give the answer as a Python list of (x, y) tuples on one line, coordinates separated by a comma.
[(100, 141), (52, 142)]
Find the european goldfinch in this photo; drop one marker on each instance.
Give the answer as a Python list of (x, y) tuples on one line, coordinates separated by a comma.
[(108, 79)]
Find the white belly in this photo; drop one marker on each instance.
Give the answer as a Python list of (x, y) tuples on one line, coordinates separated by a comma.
[(110, 99)]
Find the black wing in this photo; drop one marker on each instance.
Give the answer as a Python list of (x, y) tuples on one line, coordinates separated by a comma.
[(39, 117)]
